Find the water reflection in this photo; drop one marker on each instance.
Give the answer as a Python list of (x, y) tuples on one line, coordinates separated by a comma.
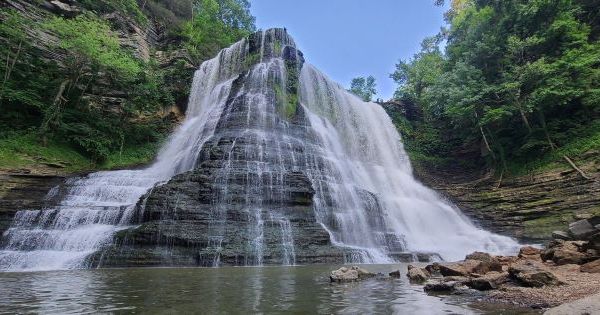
[(264, 290)]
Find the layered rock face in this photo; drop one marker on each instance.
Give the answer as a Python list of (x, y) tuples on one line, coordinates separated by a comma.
[(23, 191), (249, 189)]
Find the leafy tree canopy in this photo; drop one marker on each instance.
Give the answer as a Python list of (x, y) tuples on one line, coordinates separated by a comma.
[(364, 87)]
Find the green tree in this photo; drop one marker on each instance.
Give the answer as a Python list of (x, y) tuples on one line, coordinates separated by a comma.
[(518, 76), (215, 25), (363, 87)]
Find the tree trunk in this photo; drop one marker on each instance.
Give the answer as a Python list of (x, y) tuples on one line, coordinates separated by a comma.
[(55, 107), (487, 144), (524, 118)]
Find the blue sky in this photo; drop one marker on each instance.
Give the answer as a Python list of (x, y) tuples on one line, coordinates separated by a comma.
[(349, 38)]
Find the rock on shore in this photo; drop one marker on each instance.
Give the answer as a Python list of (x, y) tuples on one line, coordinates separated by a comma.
[(567, 269)]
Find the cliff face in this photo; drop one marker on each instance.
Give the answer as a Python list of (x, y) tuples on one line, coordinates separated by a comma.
[(529, 207), (148, 41)]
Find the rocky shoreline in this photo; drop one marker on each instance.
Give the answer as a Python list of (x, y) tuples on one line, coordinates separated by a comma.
[(565, 270), (565, 273)]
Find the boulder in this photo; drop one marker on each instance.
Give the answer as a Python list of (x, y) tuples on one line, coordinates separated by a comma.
[(354, 273), (566, 256), (433, 268), (581, 229), (560, 235), (480, 256), (528, 251), (547, 254), (532, 274), (458, 268), (591, 267), (487, 266), (481, 284), (440, 286), (395, 274), (595, 221), (594, 241), (416, 274), (343, 274)]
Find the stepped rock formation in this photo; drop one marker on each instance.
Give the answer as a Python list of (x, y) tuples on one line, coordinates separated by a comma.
[(274, 164)]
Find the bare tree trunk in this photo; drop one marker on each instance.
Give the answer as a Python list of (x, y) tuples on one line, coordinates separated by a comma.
[(58, 99), (524, 118), (487, 144), (575, 167)]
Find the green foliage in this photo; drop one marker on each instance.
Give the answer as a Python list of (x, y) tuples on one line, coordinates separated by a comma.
[(518, 76), (53, 110), (91, 43), (216, 24), (364, 88)]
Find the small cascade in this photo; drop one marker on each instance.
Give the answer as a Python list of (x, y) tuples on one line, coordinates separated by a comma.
[(274, 164)]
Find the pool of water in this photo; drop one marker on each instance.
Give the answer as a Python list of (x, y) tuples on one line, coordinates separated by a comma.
[(247, 290)]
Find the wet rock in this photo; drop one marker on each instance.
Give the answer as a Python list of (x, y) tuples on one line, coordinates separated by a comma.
[(591, 267), (395, 274), (363, 273), (343, 274), (354, 273), (416, 274), (433, 268), (581, 229), (532, 274), (440, 286), (561, 235)]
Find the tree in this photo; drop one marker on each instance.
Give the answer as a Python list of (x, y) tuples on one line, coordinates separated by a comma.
[(363, 87), (215, 25), (518, 76)]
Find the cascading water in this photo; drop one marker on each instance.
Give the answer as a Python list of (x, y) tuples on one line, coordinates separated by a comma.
[(93, 208), (363, 145), (272, 154)]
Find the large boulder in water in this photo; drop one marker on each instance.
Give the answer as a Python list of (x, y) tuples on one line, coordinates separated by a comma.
[(354, 273), (416, 274)]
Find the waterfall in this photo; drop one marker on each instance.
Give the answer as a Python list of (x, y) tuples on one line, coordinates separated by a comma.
[(259, 119), (366, 151)]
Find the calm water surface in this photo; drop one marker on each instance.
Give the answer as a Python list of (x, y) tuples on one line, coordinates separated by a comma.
[(264, 290)]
